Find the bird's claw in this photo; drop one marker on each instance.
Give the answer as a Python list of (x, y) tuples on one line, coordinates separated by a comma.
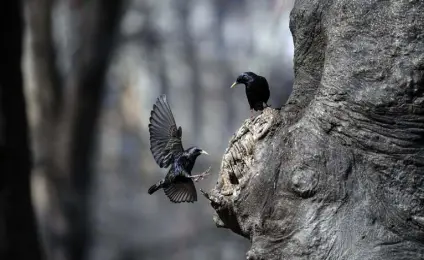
[(201, 176), (252, 114)]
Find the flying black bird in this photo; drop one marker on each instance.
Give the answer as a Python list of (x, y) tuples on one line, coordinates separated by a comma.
[(167, 150), (257, 89)]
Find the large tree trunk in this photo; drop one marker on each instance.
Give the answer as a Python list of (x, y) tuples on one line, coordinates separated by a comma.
[(18, 234), (69, 105), (338, 173)]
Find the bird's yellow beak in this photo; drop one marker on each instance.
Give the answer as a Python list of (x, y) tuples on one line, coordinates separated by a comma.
[(235, 83), (204, 152)]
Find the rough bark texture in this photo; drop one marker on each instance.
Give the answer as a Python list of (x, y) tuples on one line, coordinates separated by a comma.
[(338, 173), (18, 233)]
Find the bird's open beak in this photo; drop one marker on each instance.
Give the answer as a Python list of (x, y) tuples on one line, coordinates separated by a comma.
[(235, 83), (204, 152)]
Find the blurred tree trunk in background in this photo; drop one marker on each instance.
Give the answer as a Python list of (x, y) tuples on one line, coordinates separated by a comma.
[(18, 233), (183, 10), (221, 7), (68, 105), (151, 51)]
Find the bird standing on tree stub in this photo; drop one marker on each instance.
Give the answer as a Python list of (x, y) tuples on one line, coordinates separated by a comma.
[(167, 150), (257, 90)]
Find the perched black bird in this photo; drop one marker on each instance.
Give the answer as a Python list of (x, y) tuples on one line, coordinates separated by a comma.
[(257, 89), (167, 150)]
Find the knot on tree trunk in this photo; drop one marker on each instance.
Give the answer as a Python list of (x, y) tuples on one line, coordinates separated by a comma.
[(240, 164)]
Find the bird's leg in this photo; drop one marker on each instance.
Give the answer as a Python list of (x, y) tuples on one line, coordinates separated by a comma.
[(199, 177), (252, 113)]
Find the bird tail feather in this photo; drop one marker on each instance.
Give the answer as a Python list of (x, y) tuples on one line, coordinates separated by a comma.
[(155, 187)]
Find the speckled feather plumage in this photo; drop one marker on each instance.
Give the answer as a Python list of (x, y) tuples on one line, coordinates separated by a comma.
[(165, 137), (257, 89), (167, 150)]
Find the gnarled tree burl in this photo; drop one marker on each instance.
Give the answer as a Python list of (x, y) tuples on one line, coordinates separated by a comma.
[(338, 173)]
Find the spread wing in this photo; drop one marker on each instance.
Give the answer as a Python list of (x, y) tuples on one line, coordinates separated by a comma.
[(165, 137), (182, 190)]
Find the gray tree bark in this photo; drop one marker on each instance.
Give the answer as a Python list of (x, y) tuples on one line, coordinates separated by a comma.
[(338, 172)]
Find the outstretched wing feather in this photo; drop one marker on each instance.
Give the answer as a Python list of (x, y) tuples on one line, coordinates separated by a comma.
[(165, 136), (182, 190)]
